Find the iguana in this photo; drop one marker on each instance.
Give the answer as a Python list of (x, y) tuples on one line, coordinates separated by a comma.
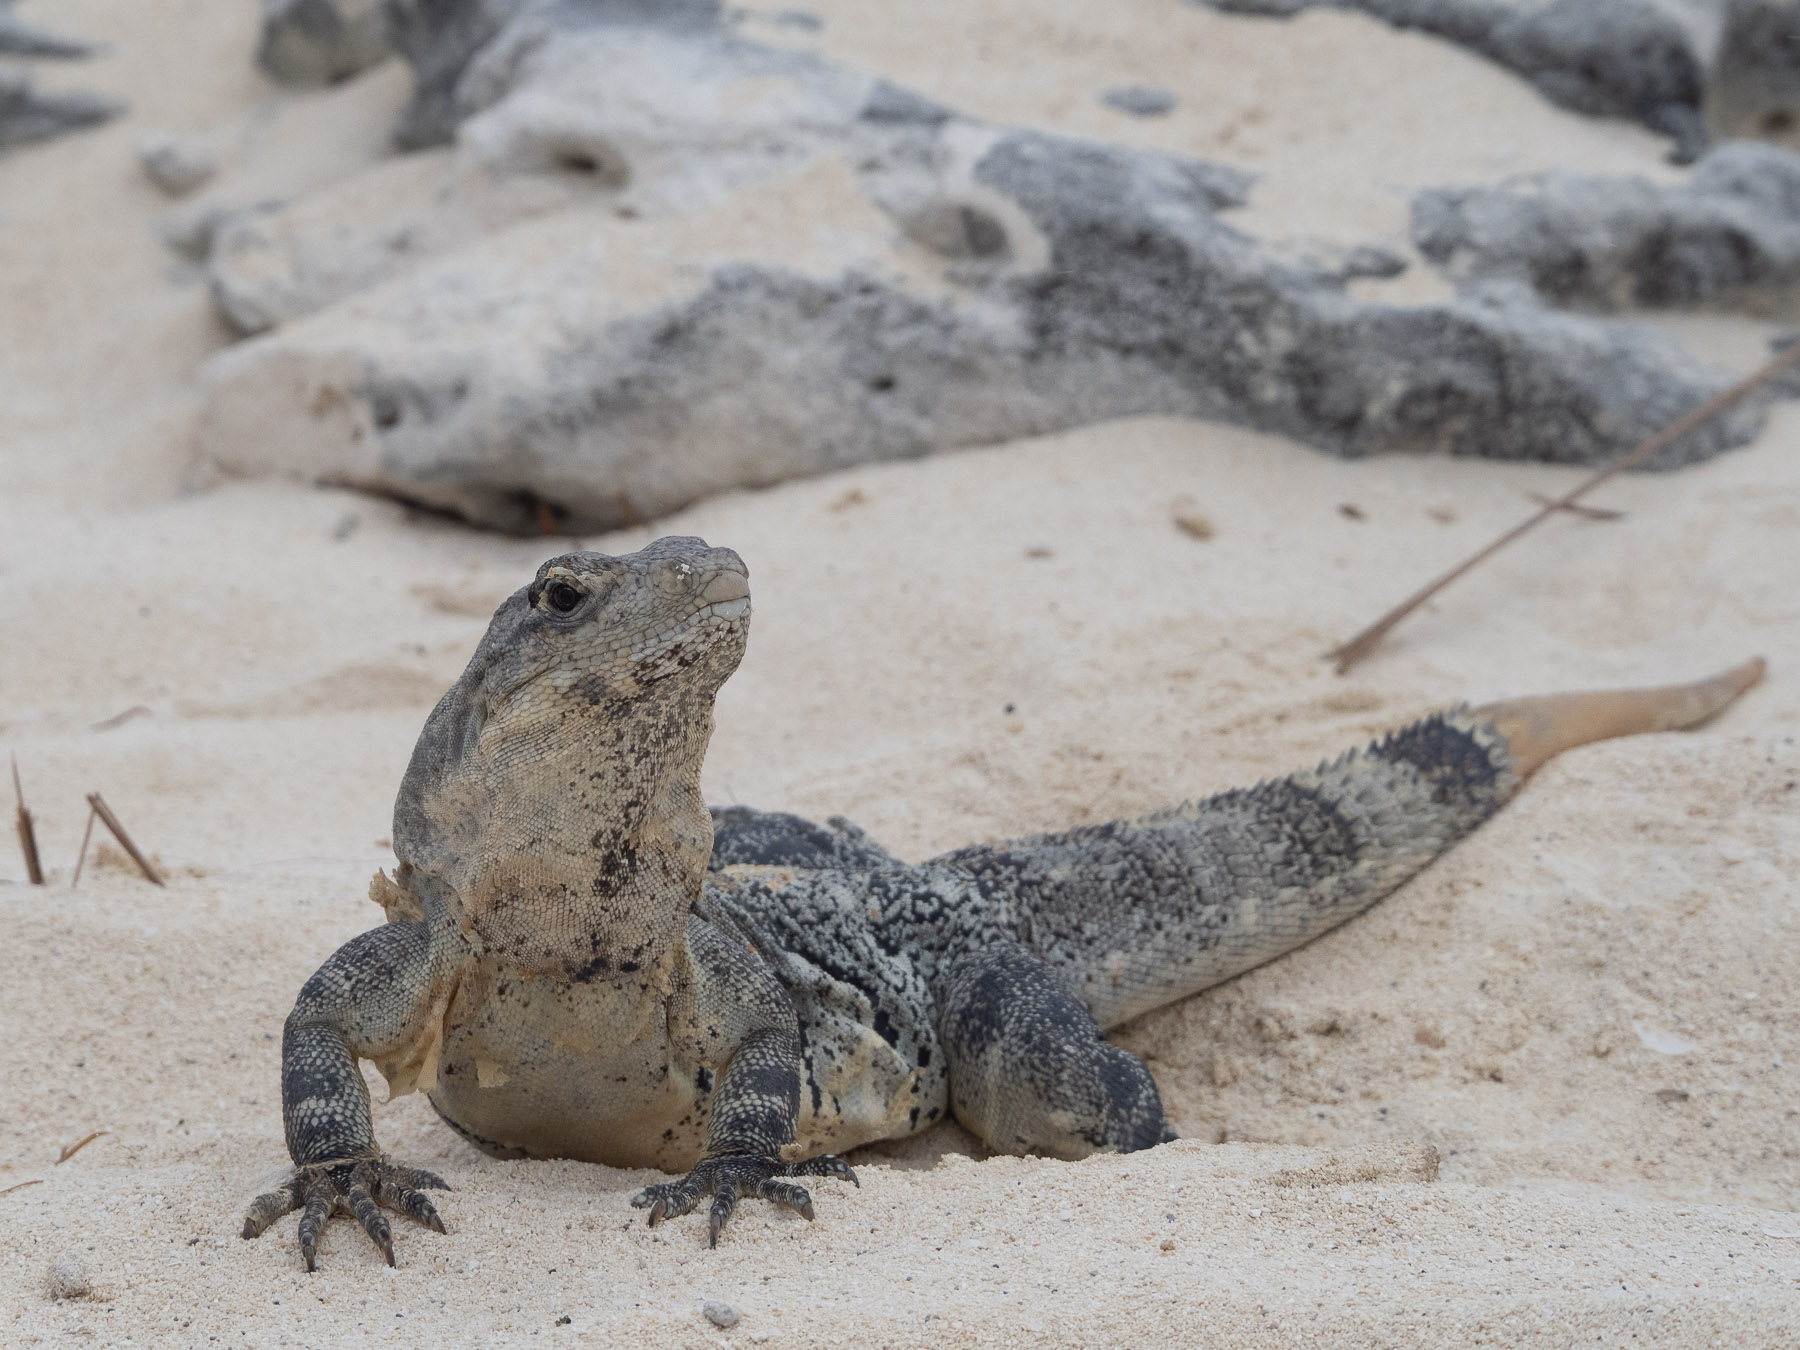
[(582, 961)]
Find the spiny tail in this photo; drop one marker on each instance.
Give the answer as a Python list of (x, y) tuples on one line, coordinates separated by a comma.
[(1136, 913)]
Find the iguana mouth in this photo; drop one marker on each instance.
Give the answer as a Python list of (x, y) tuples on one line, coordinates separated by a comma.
[(727, 614)]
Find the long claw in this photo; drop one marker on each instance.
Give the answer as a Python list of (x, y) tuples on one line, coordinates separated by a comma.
[(788, 1196), (368, 1213), (318, 1209), (659, 1210), (723, 1203), (408, 1202)]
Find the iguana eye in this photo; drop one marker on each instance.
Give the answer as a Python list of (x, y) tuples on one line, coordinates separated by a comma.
[(562, 597)]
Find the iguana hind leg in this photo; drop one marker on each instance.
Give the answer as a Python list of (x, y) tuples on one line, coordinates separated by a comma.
[(1029, 1070), (731, 1013)]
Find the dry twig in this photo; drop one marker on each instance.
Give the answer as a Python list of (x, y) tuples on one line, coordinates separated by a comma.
[(108, 819), (1365, 642), (78, 1145), (34, 869), (35, 1181), (1576, 509)]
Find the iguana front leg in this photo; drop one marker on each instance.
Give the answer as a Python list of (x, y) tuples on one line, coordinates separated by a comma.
[(373, 999), (730, 1011)]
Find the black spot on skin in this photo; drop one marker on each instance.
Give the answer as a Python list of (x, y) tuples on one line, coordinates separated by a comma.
[(703, 1080), (591, 970), (884, 1027)]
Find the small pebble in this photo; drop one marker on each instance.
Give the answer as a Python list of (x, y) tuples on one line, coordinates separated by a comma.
[(720, 1314), (69, 1277), (1140, 100), (176, 164)]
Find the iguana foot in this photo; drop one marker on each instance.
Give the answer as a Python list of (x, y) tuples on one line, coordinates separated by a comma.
[(726, 1179), (357, 1188)]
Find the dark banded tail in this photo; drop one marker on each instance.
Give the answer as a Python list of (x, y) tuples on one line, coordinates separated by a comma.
[(1136, 913)]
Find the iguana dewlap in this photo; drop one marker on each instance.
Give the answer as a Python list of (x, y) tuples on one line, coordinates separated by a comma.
[(582, 961)]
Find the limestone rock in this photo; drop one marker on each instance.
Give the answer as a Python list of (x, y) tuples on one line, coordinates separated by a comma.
[(1673, 65), (1732, 233), (660, 260), (321, 41), (18, 38), (26, 115)]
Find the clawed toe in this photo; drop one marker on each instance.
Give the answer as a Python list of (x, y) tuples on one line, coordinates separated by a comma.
[(726, 1180), (361, 1190), (825, 1165)]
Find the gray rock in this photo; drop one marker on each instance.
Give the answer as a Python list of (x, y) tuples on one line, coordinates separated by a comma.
[(1731, 235), (439, 40), (976, 284), (1755, 90), (1140, 100), (1664, 63), (176, 164), (18, 38), (721, 1315), (26, 115), (308, 42)]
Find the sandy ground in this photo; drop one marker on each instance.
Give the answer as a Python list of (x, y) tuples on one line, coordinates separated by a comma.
[(1539, 1096)]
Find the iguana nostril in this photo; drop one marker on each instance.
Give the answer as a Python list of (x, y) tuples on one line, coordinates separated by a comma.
[(726, 586)]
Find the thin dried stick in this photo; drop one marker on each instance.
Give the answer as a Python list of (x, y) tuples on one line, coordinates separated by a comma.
[(1365, 642), (86, 835), (35, 1181), (78, 1145), (27, 834), (1585, 512), (111, 822)]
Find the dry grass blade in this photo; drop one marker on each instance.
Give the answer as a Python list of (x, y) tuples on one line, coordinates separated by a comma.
[(78, 1145), (34, 869), (1366, 641), (81, 858), (35, 1181), (108, 819)]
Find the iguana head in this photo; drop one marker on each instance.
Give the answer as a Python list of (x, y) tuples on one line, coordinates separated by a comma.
[(602, 628), (553, 800)]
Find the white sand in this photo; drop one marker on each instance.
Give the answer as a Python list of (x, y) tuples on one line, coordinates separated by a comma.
[(1584, 1010)]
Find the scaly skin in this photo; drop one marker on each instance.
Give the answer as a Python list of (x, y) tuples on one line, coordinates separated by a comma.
[(581, 961)]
